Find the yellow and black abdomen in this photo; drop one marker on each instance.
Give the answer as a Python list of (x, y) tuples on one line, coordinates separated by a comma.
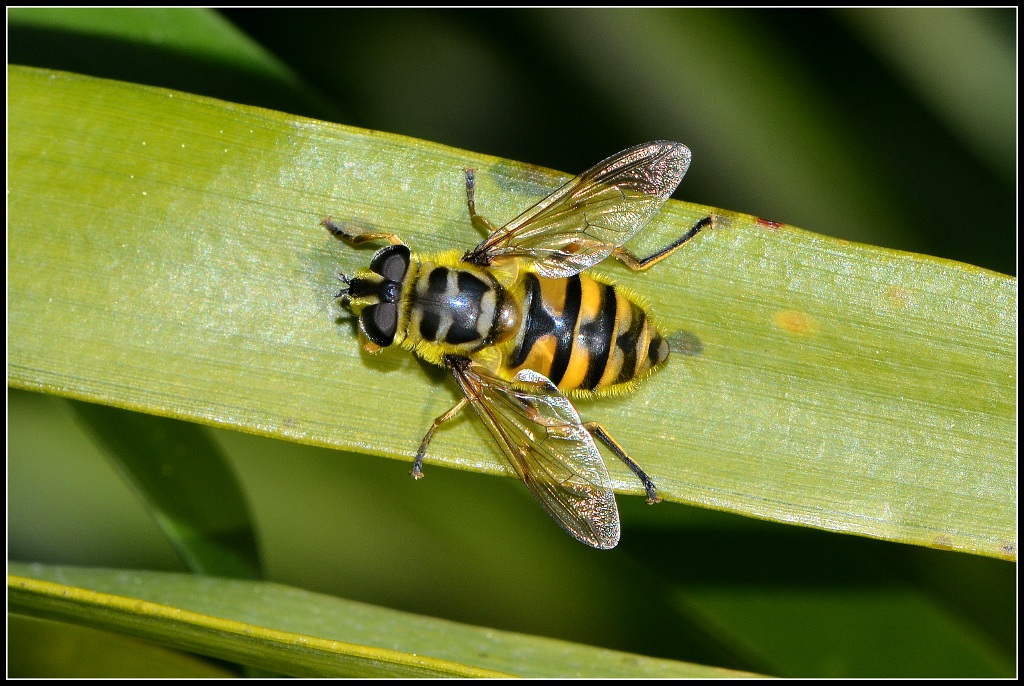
[(584, 334)]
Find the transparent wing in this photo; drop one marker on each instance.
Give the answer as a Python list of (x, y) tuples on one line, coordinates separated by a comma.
[(540, 433), (580, 224)]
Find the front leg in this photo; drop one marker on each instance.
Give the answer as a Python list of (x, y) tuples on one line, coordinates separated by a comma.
[(350, 235)]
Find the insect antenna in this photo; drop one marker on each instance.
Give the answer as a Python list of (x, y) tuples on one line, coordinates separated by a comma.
[(343, 293), (345, 280)]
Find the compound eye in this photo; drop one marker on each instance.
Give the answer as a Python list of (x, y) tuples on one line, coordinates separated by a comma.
[(380, 323), (391, 262)]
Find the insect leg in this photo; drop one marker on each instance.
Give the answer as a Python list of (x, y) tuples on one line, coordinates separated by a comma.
[(417, 465), (355, 237), (599, 432), (637, 264), (478, 221)]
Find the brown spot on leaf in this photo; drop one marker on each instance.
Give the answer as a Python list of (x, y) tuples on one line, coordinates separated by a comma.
[(769, 224), (795, 322)]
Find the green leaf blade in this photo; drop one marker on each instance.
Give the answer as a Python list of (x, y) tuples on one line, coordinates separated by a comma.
[(166, 256)]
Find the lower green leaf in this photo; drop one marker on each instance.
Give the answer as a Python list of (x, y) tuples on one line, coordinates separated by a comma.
[(296, 632)]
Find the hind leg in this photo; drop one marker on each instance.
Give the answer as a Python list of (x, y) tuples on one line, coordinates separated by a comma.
[(599, 432), (639, 264)]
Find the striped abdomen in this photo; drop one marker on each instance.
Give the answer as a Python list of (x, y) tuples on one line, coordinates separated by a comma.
[(583, 334)]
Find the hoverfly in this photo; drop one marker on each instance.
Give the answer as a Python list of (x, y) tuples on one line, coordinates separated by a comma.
[(520, 326)]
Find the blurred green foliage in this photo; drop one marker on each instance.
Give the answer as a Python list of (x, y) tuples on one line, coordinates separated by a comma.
[(831, 121)]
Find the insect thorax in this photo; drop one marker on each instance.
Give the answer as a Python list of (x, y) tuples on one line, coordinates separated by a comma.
[(454, 308)]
